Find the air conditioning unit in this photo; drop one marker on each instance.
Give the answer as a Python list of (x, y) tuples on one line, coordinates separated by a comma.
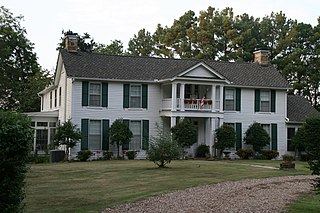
[(56, 155)]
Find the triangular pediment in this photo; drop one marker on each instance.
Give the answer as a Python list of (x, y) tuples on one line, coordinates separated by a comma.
[(201, 70)]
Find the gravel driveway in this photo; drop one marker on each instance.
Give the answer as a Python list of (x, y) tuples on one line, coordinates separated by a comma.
[(255, 195)]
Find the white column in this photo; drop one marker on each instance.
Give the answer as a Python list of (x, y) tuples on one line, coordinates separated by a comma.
[(221, 98), (174, 97), (213, 98), (182, 97), (212, 135), (173, 121)]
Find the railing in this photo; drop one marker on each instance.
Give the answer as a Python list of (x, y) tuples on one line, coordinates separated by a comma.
[(197, 104)]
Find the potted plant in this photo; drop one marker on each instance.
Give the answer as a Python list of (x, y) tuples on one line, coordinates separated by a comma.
[(287, 162)]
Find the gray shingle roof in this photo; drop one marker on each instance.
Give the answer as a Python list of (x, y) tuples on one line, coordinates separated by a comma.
[(91, 65), (299, 108)]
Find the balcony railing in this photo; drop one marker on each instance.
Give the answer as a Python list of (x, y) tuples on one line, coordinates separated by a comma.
[(190, 104)]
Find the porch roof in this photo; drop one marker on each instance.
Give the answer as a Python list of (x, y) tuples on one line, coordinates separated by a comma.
[(50, 114), (110, 67)]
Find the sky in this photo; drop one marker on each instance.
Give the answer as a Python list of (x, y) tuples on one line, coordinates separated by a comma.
[(107, 20)]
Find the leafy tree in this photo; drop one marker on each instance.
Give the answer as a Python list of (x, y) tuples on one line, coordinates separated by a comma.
[(19, 70), (163, 149), (256, 136), (67, 134), (16, 137), (184, 133), (114, 48), (141, 44), (119, 134), (85, 42), (311, 133), (226, 138)]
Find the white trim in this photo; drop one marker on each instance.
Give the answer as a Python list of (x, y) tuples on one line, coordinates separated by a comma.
[(205, 66)]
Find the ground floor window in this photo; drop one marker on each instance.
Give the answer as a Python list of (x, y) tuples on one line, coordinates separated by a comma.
[(135, 127), (41, 139), (267, 128), (94, 135)]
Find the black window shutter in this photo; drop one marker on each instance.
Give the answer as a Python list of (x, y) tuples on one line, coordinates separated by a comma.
[(273, 101), (274, 139), (238, 99), (145, 96), (125, 146), (84, 133), (145, 134), (104, 94), (224, 97), (105, 134), (238, 136), (126, 90), (85, 93), (257, 100)]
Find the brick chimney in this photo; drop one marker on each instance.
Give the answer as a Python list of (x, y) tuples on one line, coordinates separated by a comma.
[(261, 57), (71, 43)]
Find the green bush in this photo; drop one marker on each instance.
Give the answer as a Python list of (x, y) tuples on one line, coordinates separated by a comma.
[(84, 155), (287, 157), (270, 154), (131, 154), (256, 136), (163, 149), (39, 159), (202, 151), (15, 146), (245, 153), (107, 155)]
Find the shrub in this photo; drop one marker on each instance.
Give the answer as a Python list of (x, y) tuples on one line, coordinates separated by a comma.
[(163, 149), (107, 155), (256, 136), (226, 138), (270, 154), (84, 155), (39, 159), (245, 153), (287, 157), (202, 151), (15, 145), (131, 154)]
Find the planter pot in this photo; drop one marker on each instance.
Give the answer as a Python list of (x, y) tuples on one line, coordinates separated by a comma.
[(287, 165)]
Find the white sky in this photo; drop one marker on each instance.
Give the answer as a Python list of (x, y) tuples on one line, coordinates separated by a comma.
[(107, 20)]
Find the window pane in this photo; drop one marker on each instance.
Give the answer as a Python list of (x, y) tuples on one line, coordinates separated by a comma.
[(267, 128), (135, 90), (290, 135), (265, 95), (229, 94), (94, 100), (229, 105), (135, 102), (135, 127), (94, 89), (95, 135), (265, 106)]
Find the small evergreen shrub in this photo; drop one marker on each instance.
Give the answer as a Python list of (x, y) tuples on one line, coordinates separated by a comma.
[(131, 154), (202, 151), (107, 155), (84, 155), (245, 153), (270, 154), (39, 159)]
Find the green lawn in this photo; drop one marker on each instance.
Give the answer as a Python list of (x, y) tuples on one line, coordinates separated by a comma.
[(307, 203), (93, 186)]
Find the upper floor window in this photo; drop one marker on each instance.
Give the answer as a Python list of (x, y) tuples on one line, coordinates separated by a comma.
[(229, 100), (95, 94), (135, 96), (265, 101)]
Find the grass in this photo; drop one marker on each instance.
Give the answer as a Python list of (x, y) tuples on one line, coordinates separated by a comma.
[(307, 203), (93, 186)]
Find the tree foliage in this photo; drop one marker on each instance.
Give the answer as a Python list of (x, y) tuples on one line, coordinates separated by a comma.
[(163, 149), (16, 136), (257, 137), (114, 48), (119, 134), (21, 78), (226, 138), (67, 134), (184, 133)]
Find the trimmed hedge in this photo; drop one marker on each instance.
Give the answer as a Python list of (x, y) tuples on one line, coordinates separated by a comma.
[(15, 145)]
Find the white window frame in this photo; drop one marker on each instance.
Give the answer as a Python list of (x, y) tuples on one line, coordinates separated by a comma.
[(90, 134), (95, 94), (130, 96), (269, 100), (229, 99)]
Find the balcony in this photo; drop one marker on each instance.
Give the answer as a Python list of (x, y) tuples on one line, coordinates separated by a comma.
[(190, 105)]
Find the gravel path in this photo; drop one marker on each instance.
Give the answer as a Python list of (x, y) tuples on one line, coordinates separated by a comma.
[(257, 195)]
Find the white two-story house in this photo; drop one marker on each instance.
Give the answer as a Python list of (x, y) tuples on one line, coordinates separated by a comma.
[(94, 90)]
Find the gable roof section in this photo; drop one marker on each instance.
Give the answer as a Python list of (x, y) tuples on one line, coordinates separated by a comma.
[(299, 108), (99, 66)]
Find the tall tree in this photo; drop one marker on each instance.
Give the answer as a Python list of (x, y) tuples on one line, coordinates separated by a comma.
[(114, 48), (19, 70), (119, 134), (141, 44)]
